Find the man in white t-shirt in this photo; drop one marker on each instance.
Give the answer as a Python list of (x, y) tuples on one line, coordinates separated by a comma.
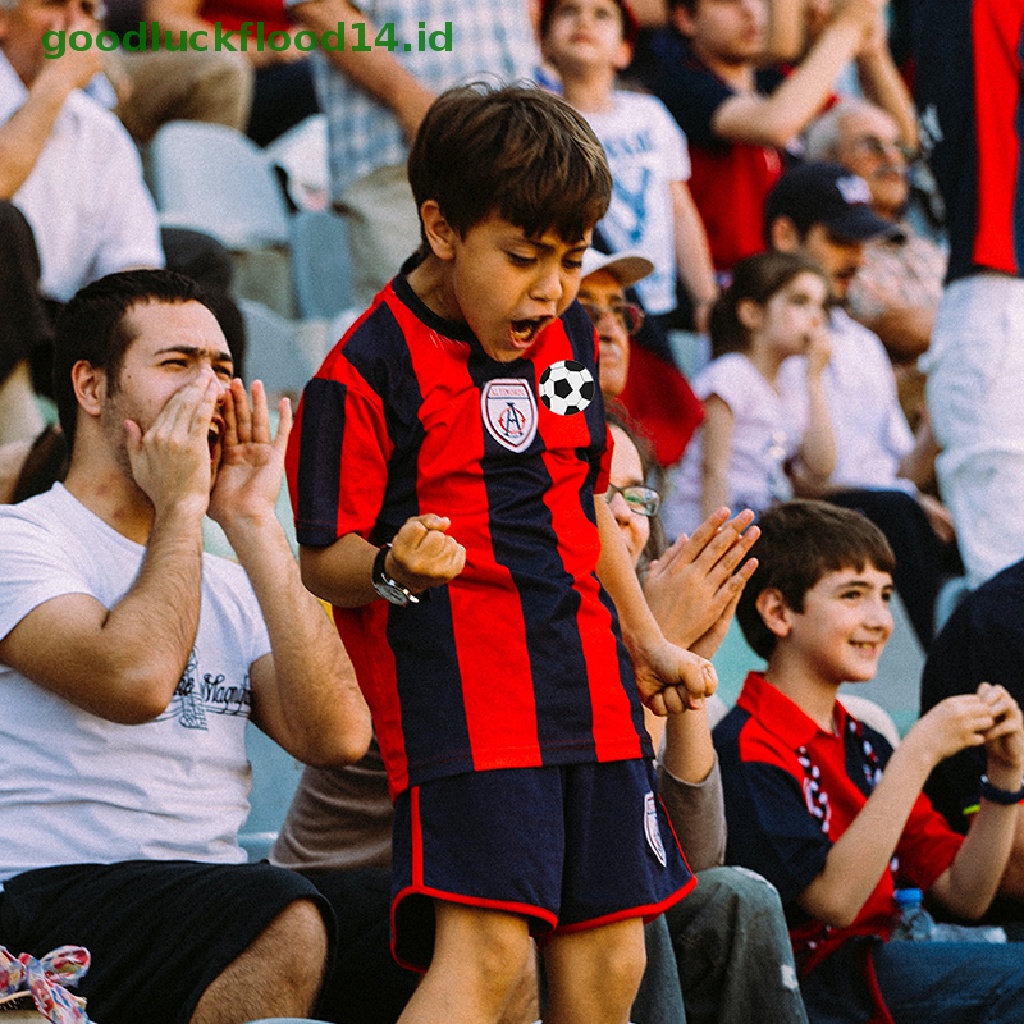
[(130, 663)]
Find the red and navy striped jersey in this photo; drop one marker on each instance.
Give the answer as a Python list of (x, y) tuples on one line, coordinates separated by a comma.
[(518, 661), (967, 84)]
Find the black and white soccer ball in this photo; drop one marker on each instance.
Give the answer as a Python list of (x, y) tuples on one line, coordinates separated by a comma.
[(566, 387)]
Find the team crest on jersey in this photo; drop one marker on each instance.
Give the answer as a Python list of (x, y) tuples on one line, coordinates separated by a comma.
[(652, 829), (509, 411)]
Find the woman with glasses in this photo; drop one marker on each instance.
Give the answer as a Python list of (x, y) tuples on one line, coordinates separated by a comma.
[(715, 956)]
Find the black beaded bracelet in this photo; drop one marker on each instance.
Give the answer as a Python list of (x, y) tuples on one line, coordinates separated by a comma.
[(995, 795)]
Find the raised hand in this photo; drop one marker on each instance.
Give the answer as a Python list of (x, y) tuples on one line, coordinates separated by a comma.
[(171, 460), (252, 462), (694, 587), (422, 554)]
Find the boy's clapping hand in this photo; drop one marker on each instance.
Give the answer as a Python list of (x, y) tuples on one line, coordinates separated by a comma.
[(422, 554)]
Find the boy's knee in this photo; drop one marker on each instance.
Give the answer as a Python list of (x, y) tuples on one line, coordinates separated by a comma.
[(500, 945)]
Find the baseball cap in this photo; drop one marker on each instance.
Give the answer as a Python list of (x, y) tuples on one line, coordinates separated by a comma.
[(829, 194), (630, 25), (627, 267)]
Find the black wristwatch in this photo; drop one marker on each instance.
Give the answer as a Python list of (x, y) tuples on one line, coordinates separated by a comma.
[(391, 590), (995, 795)]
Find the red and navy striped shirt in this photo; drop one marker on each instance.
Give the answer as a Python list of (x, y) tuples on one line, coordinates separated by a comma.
[(968, 84), (518, 661)]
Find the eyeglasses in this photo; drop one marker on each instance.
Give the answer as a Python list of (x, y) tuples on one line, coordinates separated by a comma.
[(627, 315), (644, 501)]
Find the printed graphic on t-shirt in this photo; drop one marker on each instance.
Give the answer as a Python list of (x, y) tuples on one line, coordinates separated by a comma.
[(195, 698)]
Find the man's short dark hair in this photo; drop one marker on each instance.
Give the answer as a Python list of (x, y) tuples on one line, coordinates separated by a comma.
[(93, 327), (517, 152), (800, 542)]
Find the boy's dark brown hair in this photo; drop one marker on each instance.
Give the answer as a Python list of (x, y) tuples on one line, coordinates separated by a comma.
[(517, 152), (800, 542)]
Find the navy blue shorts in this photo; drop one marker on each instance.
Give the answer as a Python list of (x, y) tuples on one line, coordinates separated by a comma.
[(568, 847)]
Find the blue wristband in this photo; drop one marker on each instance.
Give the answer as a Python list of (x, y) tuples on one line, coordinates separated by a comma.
[(995, 795)]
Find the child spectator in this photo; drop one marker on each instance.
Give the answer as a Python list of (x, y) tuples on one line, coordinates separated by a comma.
[(444, 477), (738, 119), (773, 309), (588, 42), (823, 807)]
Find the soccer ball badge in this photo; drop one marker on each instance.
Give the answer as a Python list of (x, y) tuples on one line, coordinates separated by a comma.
[(566, 387)]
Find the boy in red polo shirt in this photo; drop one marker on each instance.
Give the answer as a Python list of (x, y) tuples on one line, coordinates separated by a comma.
[(823, 807)]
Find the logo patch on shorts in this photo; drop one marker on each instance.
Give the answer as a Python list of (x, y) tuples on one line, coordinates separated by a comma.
[(652, 830), (509, 412)]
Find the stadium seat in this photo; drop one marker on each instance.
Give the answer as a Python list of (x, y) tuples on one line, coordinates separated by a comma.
[(321, 264), (212, 178)]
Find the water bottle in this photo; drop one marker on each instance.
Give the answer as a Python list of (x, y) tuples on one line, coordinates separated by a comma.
[(915, 924)]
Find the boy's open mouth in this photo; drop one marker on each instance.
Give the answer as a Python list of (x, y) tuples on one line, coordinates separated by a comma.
[(524, 331)]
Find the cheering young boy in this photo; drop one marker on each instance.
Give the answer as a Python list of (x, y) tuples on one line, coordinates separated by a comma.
[(443, 473), (824, 808)]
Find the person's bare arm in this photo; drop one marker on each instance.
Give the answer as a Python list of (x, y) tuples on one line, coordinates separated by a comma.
[(883, 85), (905, 330), (668, 677), (693, 255), (377, 72), (23, 137), (775, 120), (422, 555), (124, 663), (305, 695), (716, 454), (856, 862)]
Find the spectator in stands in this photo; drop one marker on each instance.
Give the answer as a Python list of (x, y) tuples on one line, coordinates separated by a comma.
[(283, 93), (212, 85), (824, 211), (131, 663), (71, 169), (375, 100), (738, 120), (832, 815), (897, 289), (645, 382), (983, 641), (968, 83), (588, 42)]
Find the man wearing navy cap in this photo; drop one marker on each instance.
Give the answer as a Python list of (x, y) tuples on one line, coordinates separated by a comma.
[(824, 211)]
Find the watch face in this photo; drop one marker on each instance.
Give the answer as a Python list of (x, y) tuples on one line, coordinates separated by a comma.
[(391, 592)]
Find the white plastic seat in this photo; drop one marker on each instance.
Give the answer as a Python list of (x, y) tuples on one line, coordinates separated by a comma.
[(212, 178)]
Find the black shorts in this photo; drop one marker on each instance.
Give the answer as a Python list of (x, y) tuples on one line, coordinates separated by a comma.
[(568, 847), (159, 931)]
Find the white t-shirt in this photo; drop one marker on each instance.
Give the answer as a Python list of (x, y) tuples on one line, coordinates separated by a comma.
[(871, 433), (85, 199), (76, 788), (646, 152), (767, 430)]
